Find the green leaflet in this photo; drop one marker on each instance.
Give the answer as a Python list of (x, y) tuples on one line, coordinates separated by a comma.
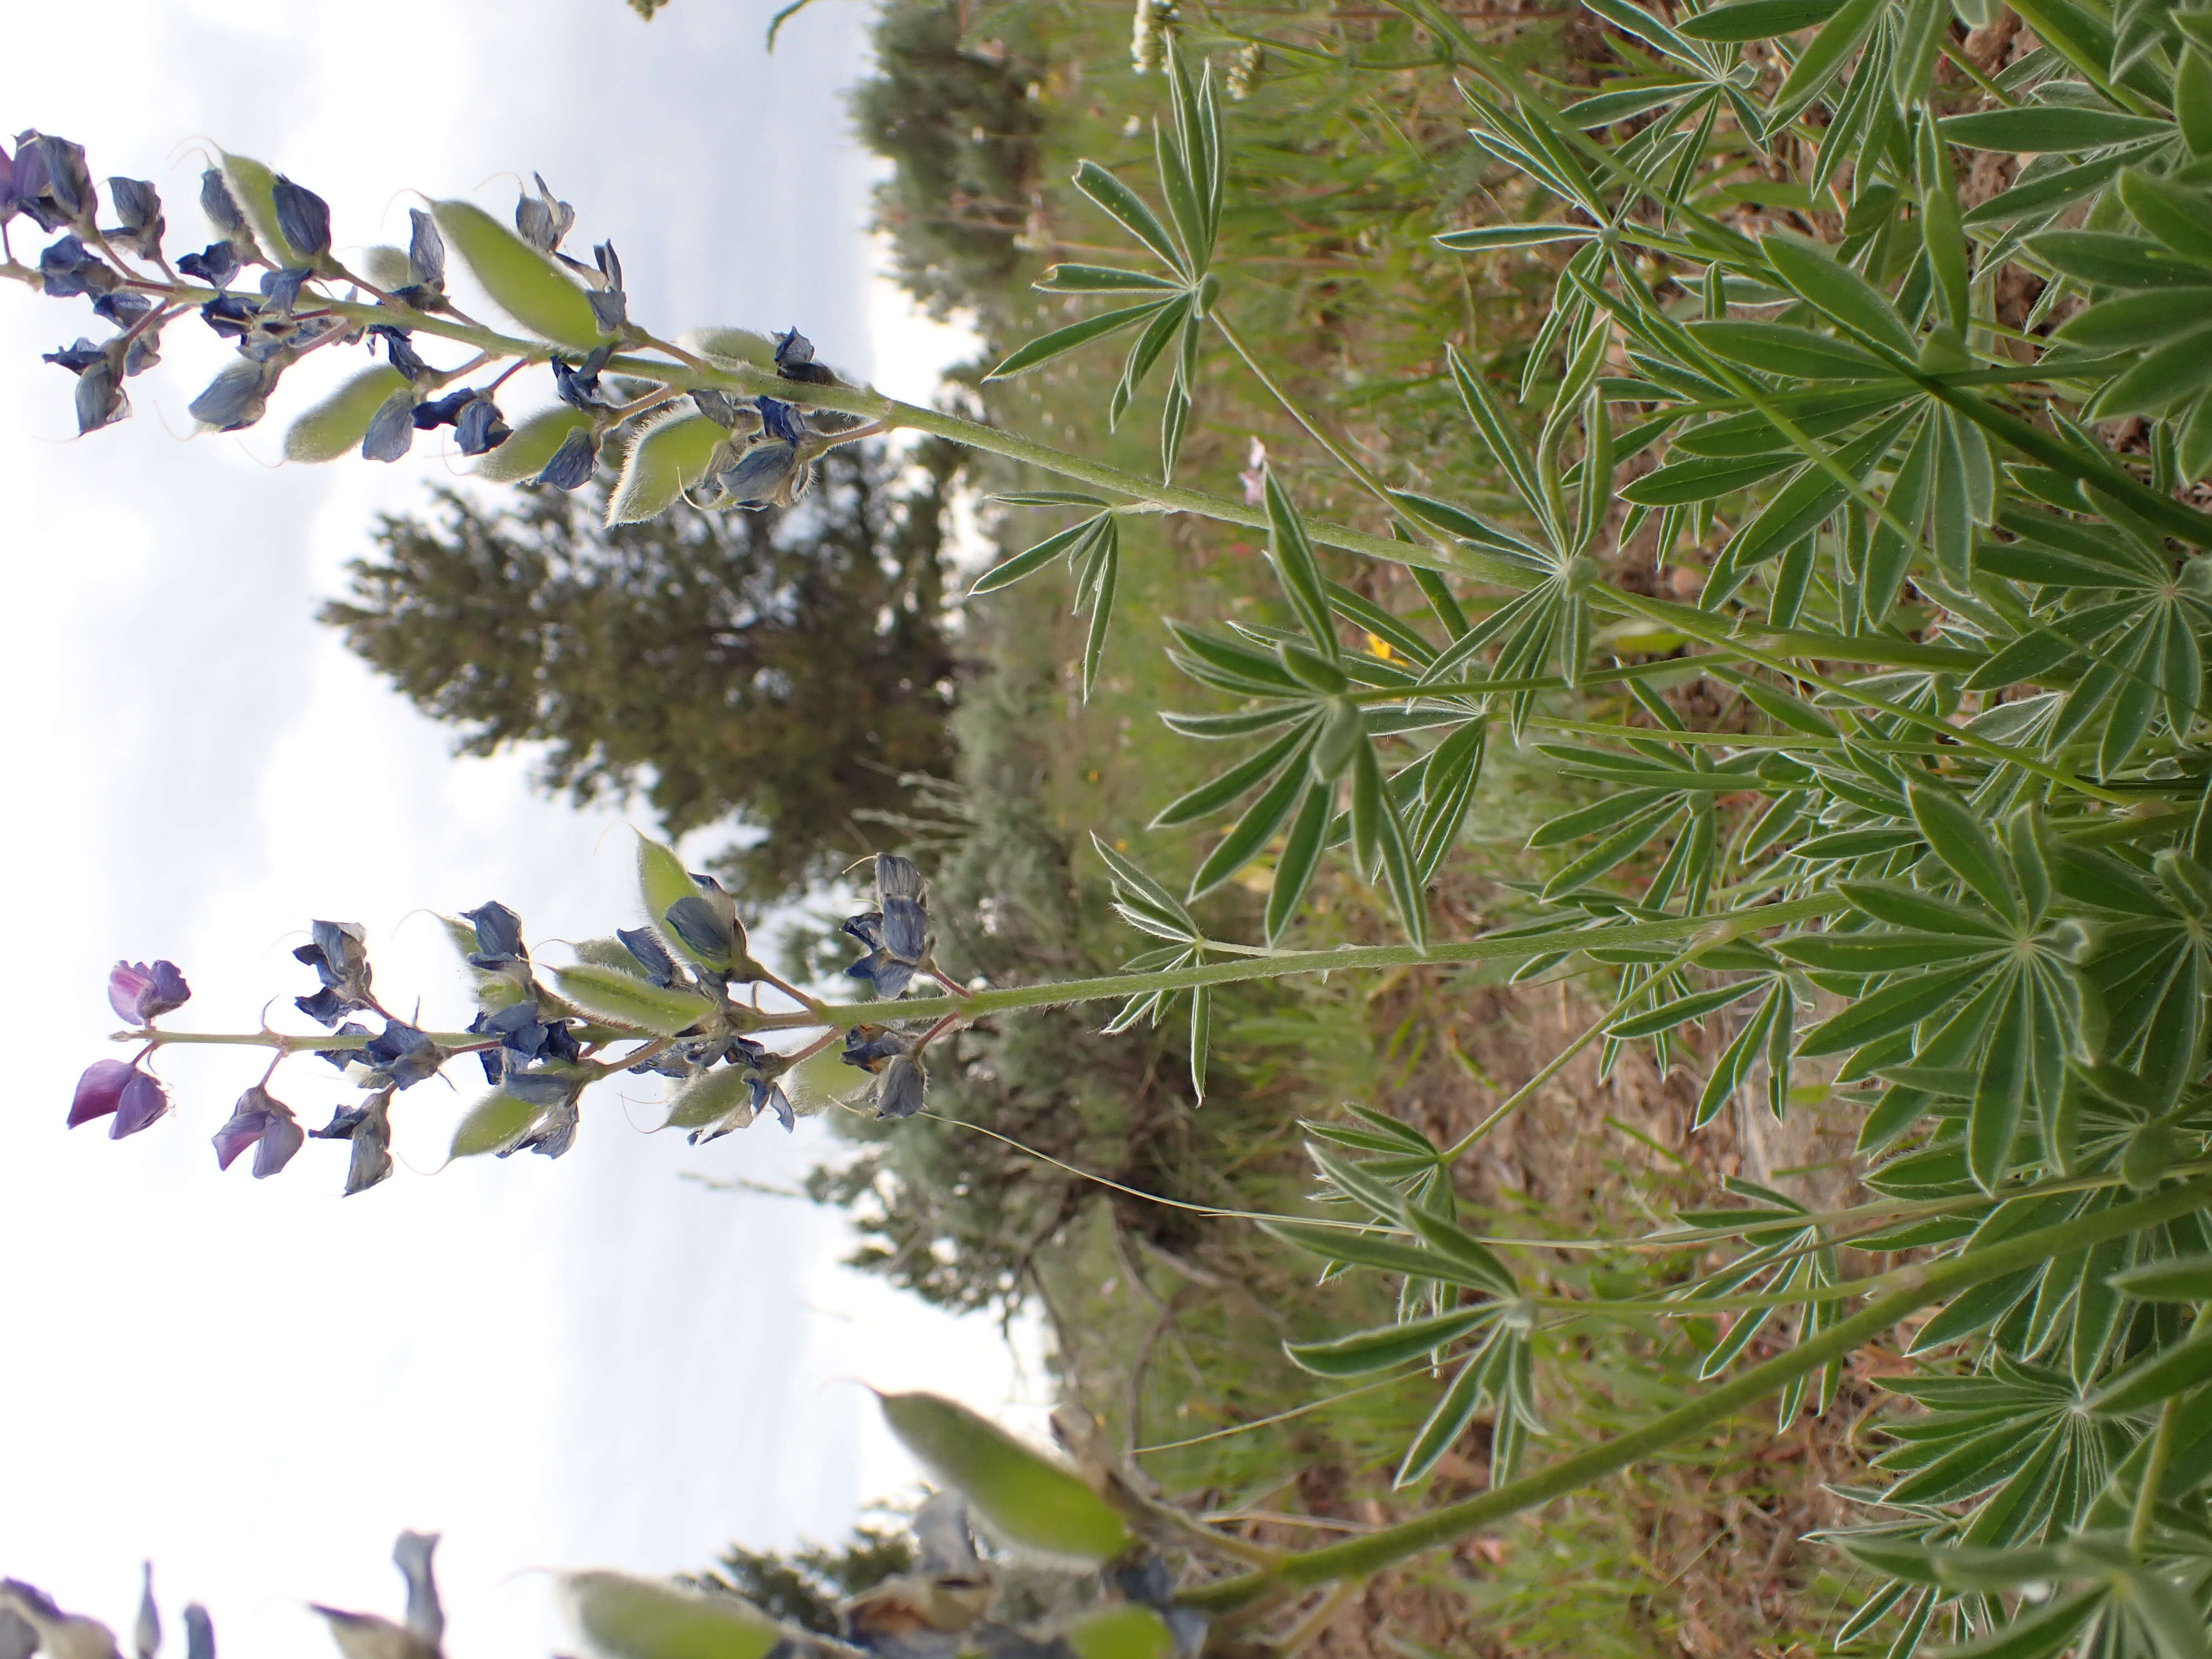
[(2050, 127), (1061, 341), (1757, 19), (1392, 1345)]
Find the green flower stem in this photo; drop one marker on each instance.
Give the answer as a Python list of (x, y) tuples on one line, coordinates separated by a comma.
[(1359, 1557), (293, 1044), (1491, 947), (1685, 619), (2161, 1453)]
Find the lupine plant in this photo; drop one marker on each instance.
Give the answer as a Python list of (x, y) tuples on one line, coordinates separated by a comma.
[(1945, 856)]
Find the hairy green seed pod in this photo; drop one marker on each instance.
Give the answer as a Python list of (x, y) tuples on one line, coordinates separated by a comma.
[(621, 998), (334, 426), (731, 345), (661, 877), (253, 187), (663, 884), (386, 266), (1017, 1496), (522, 282), (819, 1081), (620, 1617), (668, 455), (525, 455), (495, 1122), (710, 1097)]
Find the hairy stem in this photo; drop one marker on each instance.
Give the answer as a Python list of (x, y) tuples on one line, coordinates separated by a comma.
[(1489, 948)]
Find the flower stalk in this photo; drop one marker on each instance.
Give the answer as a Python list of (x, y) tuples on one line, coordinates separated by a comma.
[(1371, 1553)]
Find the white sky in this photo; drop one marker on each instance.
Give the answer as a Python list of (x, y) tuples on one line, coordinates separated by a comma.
[(591, 1362)]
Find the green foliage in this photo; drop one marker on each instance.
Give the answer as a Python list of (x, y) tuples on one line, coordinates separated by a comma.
[(1958, 641), (787, 668)]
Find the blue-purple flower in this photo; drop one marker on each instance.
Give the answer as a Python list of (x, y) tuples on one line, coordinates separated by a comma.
[(573, 464), (237, 397), (303, 218), (100, 399), (368, 1127), (475, 418), (426, 258), (523, 1035), (775, 469), (794, 359), (138, 206), (895, 935), (899, 1087), (650, 954), (230, 314), (220, 206), (68, 268), (577, 384), (142, 992), (554, 1088), (391, 431), (719, 407), (499, 936), (697, 922), (340, 955), (610, 305), (50, 183), (264, 1123), (545, 220), (399, 350), (402, 1055), (760, 1070), (99, 1091), (887, 1055)]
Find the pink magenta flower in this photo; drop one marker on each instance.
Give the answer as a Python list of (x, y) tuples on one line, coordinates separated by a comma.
[(135, 1099), (142, 992)]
